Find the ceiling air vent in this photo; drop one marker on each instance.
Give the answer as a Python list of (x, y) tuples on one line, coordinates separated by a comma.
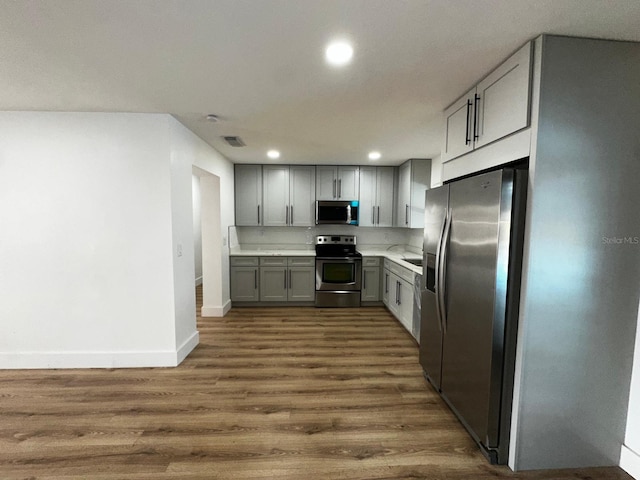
[(234, 141)]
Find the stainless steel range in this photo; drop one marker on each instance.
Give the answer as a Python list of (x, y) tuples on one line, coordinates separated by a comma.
[(338, 271)]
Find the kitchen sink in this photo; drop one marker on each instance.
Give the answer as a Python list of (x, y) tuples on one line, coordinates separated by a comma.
[(414, 261)]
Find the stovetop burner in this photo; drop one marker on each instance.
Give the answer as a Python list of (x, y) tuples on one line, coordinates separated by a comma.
[(336, 246)]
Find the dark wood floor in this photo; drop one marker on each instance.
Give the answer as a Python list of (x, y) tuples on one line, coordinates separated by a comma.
[(283, 393)]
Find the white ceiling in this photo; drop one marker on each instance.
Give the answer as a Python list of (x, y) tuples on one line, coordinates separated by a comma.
[(258, 64)]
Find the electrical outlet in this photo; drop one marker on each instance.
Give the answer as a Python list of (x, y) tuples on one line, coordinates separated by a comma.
[(179, 249)]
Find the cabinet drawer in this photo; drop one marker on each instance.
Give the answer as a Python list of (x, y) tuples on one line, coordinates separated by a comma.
[(370, 261), (273, 261), (244, 261), (301, 261), (402, 272)]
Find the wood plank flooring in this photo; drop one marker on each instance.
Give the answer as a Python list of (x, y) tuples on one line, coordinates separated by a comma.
[(283, 393)]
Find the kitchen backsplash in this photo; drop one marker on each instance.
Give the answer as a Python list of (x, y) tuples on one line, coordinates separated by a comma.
[(306, 235)]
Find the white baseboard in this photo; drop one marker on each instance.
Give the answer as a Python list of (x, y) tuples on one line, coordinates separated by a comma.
[(199, 281), (215, 311), (132, 359), (630, 462), (37, 360), (187, 347)]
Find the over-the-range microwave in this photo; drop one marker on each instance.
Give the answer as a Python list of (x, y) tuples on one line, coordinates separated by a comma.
[(337, 212)]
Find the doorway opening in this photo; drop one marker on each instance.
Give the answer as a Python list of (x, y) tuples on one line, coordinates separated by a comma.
[(207, 241)]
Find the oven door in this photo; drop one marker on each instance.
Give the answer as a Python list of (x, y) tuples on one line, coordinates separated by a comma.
[(338, 274)]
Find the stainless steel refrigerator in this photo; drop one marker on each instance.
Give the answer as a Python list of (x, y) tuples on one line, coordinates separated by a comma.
[(470, 294)]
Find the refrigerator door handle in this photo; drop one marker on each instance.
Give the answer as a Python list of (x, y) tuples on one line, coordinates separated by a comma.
[(437, 271), (443, 270)]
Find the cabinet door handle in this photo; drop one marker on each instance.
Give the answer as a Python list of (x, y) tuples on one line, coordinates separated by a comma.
[(340, 188), (386, 283), (476, 102), (334, 188), (255, 279), (406, 214), (290, 283), (364, 279), (373, 215), (286, 215), (378, 214), (291, 215), (258, 214), (285, 279), (467, 139)]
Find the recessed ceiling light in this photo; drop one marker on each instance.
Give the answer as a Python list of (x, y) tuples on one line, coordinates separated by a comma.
[(374, 155), (211, 118), (273, 154), (338, 53)]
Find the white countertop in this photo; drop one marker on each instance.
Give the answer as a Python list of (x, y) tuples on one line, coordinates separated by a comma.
[(395, 253), (266, 252)]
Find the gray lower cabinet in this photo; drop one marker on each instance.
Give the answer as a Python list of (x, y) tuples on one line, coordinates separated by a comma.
[(398, 293), (273, 284), (244, 279), (273, 279), (386, 286), (302, 284), (370, 279)]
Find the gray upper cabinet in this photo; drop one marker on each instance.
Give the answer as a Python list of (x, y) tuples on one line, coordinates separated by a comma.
[(376, 196), (414, 177), (496, 107), (457, 134), (275, 184), (337, 182), (302, 195), (248, 195), (289, 194)]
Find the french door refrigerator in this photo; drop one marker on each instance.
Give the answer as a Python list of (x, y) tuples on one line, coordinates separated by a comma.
[(470, 294)]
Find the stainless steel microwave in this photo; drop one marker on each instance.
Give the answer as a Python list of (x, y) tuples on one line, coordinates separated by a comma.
[(337, 212)]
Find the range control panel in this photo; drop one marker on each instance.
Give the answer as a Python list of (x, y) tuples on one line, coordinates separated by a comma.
[(336, 240)]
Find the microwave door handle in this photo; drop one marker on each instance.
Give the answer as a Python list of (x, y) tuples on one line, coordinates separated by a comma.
[(348, 214)]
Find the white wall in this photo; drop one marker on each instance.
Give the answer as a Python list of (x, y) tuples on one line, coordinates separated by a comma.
[(630, 454), (96, 216), (197, 228), (182, 238), (85, 213), (204, 157)]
